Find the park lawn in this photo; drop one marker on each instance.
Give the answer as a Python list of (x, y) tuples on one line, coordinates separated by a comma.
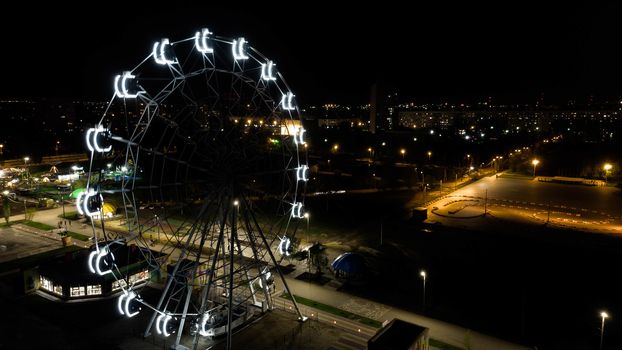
[(70, 215), (46, 227), (39, 225), (335, 311)]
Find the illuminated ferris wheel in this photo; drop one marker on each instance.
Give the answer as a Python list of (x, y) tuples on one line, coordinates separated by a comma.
[(202, 151)]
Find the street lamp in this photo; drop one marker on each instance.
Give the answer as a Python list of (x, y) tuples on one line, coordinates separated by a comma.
[(429, 155), (535, 163), (369, 150), (607, 167), (603, 315), (423, 275), (26, 159), (403, 152), (335, 147)]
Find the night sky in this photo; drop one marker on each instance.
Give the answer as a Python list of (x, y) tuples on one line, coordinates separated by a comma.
[(432, 53)]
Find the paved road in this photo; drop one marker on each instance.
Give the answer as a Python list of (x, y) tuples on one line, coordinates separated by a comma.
[(528, 201)]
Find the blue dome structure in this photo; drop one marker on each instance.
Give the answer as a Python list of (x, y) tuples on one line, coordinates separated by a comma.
[(349, 265)]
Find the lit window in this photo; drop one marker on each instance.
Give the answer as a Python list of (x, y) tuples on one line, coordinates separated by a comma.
[(76, 291), (58, 289), (94, 290), (116, 285), (46, 284)]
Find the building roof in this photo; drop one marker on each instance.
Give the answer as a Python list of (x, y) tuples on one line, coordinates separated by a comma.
[(397, 335), (350, 263), (73, 267)]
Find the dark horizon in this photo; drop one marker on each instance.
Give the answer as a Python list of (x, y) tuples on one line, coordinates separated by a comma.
[(459, 54)]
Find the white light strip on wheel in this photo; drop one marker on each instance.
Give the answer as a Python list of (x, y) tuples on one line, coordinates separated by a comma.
[(299, 136), (284, 245), (286, 102), (301, 173), (297, 210), (90, 261), (237, 48), (88, 139), (165, 324), (120, 303), (79, 202), (204, 320), (266, 71), (100, 129), (85, 206), (120, 85), (91, 139), (101, 254), (158, 320), (131, 295), (200, 41), (160, 55)]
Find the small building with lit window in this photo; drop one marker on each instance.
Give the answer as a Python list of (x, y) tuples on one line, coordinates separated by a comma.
[(69, 278), (400, 335)]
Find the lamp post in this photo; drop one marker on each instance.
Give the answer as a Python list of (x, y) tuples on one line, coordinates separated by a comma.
[(423, 275), (607, 167), (370, 150), (429, 156), (403, 152), (26, 159), (535, 163), (306, 215), (603, 315)]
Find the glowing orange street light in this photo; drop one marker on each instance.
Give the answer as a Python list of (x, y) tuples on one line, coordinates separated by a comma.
[(535, 163), (607, 167), (403, 152)]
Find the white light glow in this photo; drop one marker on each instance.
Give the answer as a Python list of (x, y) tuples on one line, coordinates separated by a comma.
[(165, 325), (159, 52), (102, 253), (286, 102), (88, 139), (297, 210), (299, 136), (158, 321), (237, 48), (85, 203), (204, 320), (120, 85), (90, 261), (91, 139), (200, 41), (284, 246), (301, 173), (120, 303), (79, 202), (266, 71), (131, 295)]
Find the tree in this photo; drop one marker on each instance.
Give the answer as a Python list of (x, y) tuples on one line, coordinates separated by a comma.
[(317, 257)]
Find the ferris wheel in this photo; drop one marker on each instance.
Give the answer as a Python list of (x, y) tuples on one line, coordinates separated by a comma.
[(203, 152)]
